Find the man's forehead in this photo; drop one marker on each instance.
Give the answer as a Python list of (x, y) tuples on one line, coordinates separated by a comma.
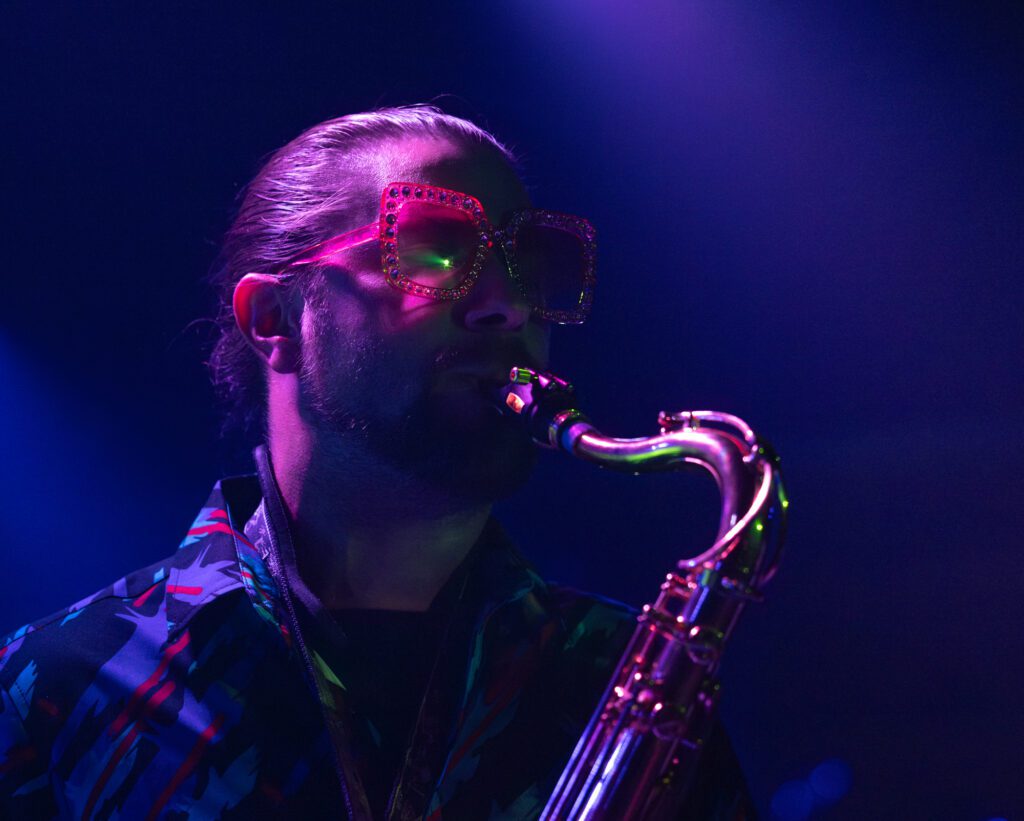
[(472, 169)]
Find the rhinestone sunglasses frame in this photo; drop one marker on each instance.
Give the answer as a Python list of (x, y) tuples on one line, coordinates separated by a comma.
[(386, 229)]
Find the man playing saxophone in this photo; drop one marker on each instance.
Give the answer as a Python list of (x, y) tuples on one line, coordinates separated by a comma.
[(348, 632)]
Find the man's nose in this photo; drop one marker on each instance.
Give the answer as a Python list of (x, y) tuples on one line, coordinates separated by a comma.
[(495, 302)]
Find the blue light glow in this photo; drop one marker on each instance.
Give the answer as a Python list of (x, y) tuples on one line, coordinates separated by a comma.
[(830, 780), (793, 801), (800, 798)]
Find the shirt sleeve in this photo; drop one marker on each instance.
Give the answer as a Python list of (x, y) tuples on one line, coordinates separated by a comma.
[(24, 780)]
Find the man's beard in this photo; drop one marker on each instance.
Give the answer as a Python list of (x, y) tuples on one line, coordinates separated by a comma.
[(377, 405)]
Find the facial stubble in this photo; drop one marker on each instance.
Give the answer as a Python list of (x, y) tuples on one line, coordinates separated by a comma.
[(377, 407)]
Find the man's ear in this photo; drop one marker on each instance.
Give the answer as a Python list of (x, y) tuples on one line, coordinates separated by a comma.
[(268, 314)]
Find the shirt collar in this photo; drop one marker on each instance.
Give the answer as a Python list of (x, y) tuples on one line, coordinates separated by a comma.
[(206, 566), (226, 549)]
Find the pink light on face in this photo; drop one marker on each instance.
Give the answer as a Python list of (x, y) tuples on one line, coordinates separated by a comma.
[(413, 303)]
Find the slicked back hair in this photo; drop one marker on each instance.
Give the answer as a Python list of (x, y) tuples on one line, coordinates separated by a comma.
[(299, 196)]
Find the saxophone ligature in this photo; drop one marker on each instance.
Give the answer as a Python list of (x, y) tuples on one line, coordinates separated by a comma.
[(638, 754)]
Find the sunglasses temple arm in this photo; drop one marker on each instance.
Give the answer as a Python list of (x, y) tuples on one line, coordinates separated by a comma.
[(335, 245)]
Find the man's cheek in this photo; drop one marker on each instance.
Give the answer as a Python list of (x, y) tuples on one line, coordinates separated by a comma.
[(538, 340), (404, 381), (403, 313)]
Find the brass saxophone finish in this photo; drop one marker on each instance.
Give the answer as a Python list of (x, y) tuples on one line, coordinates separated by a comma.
[(640, 750)]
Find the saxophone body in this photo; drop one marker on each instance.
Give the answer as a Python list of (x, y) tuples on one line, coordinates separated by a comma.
[(639, 752)]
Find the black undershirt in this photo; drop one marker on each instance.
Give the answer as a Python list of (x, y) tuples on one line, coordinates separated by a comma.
[(385, 665)]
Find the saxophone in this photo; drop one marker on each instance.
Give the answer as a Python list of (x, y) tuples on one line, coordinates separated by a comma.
[(637, 756)]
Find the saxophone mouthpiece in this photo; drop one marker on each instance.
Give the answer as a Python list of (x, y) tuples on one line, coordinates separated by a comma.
[(542, 400), (516, 394)]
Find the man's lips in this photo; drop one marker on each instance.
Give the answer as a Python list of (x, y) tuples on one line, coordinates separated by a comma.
[(489, 374), (480, 370), (488, 365), (482, 381), (483, 361)]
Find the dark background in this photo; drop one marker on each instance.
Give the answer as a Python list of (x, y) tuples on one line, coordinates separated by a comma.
[(810, 216)]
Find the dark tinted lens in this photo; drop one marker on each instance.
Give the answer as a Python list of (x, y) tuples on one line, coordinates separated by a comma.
[(436, 244), (551, 264)]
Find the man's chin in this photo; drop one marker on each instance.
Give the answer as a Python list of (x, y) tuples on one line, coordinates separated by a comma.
[(480, 457), (454, 442), (499, 471)]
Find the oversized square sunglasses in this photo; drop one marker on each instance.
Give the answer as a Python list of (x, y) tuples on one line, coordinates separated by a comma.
[(434, 242)]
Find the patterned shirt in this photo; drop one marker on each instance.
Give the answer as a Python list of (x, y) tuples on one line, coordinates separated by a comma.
[(205, 686)]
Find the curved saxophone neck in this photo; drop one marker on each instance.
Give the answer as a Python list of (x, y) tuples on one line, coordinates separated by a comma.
[(744, 468), (547, 405)]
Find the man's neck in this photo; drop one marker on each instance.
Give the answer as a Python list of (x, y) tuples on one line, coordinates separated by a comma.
[(361, 546), (398, 566)]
